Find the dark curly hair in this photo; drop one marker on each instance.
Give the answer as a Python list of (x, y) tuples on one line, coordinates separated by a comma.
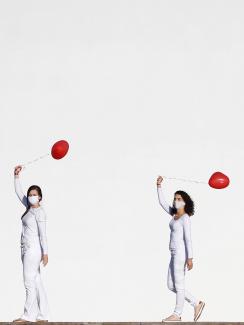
[(189, 207)]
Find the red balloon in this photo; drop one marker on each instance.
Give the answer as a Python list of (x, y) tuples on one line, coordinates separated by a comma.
[(60, 149), (219, 180)]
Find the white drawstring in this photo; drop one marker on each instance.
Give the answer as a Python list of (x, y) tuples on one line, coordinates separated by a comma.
[(185, 180), (35, 160)]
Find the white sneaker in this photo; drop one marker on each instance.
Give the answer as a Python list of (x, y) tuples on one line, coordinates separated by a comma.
[(198, 310), (172, 318)]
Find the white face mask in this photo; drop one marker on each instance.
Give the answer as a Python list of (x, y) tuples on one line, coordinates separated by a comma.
[(34, 199), (179, 204)]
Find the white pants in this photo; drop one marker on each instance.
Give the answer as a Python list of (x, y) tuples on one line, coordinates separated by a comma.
[(36, 305), (176, 281)]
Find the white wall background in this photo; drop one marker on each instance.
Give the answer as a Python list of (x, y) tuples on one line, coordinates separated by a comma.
[(138, 88)]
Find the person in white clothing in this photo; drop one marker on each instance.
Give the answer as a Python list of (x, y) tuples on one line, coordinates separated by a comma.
[(34, 250), (180, 247)]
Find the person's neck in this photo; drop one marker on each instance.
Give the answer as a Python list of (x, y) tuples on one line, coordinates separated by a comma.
[(180, 213)]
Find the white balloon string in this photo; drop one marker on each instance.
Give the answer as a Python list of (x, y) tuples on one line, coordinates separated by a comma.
[(185, 180), (35, 160)]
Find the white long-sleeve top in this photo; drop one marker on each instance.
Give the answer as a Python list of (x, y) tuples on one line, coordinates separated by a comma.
[(180, 235), (33, 223)]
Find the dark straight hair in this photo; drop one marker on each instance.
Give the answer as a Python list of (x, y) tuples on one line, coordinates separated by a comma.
[(39, 191)]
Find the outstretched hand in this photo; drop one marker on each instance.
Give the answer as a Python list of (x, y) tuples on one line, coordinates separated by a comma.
[(17, 170)]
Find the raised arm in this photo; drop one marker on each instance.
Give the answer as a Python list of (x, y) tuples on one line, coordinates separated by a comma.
[(18, 188), (161, 198), (41, 224), (187, 235), (163, 202)]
